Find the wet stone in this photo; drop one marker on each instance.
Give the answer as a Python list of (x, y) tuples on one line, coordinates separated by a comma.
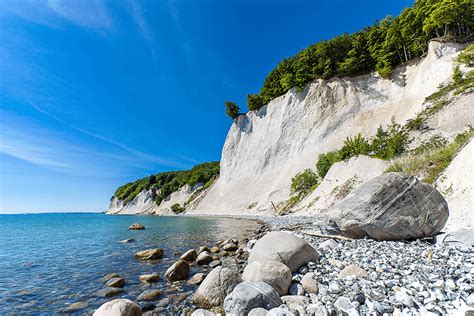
[(109, 292)]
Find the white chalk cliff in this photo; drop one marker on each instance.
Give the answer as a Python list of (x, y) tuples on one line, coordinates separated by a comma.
[(264, 149), (144, 202)]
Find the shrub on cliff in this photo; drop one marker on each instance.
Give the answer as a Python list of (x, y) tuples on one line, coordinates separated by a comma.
[(325, 161), (457, 75), (354, 146), (177, 209), (304, 181), (231, 109), (467, 56), (389, 143)]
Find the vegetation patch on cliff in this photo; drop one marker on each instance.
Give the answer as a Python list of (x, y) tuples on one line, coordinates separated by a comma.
[(165, 183), (430, 159)]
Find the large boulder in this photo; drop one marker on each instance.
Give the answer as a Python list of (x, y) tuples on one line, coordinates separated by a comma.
[(274, 273), (249, 295), (393, 206), (119, 307), (215, 287), (285, 248), (178, 271)]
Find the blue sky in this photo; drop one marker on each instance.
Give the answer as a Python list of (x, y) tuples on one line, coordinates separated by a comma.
[(94, 94)]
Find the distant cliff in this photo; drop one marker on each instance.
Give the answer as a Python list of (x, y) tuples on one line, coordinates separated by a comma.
[(163, 193)]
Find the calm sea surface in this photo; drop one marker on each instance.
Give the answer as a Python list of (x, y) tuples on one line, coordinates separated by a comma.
[(49, 261)]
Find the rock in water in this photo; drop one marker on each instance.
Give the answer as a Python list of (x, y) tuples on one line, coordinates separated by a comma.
[(75, 307), (136, 226), (109, 276), (249, 295), (285, 248), (393, 206), (178, 271), (150, 254), (204, 258), (215, 287), (189, 255), (149, 295), (196, 279), (109, 291), (273, 273), (149, 278), (116, 282), (119, 307), (128, 240)]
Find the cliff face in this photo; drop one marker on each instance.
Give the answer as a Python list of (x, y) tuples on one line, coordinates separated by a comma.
[(266, 148), (144, 202)]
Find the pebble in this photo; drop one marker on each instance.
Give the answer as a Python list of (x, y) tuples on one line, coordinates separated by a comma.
[(404, 298), (334, 288), (296, 289)]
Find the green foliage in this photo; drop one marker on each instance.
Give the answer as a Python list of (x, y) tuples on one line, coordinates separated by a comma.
[(467, 56), (389, 143), (354, 146), (415, 124), (301, 185), (232, 109), (177, 209), (379, 47), (325, 161), (430, 159), (457, 75), (165, 183), (254, 102), (304, 181)]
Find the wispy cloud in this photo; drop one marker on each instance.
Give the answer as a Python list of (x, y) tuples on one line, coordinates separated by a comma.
[(138, 16), (186, 43), (174, 13), (142, 156), (29, 141), (89, 14), (86, 13)]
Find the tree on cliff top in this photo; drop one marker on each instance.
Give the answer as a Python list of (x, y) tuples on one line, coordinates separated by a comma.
[(380, 47), (232, 109)]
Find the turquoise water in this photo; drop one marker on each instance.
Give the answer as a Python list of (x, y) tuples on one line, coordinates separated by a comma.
[(48, 261)]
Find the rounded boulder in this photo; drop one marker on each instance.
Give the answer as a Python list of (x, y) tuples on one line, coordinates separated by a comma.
[(178, 271), (286, 248), (215, 287), (119, 307), (393, 206), (274, 273), (249, 295)]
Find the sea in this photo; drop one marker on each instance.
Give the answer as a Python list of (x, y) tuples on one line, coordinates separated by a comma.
[(50, 261)]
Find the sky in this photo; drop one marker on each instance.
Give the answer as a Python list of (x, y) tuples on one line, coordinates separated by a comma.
[(94, 94)]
